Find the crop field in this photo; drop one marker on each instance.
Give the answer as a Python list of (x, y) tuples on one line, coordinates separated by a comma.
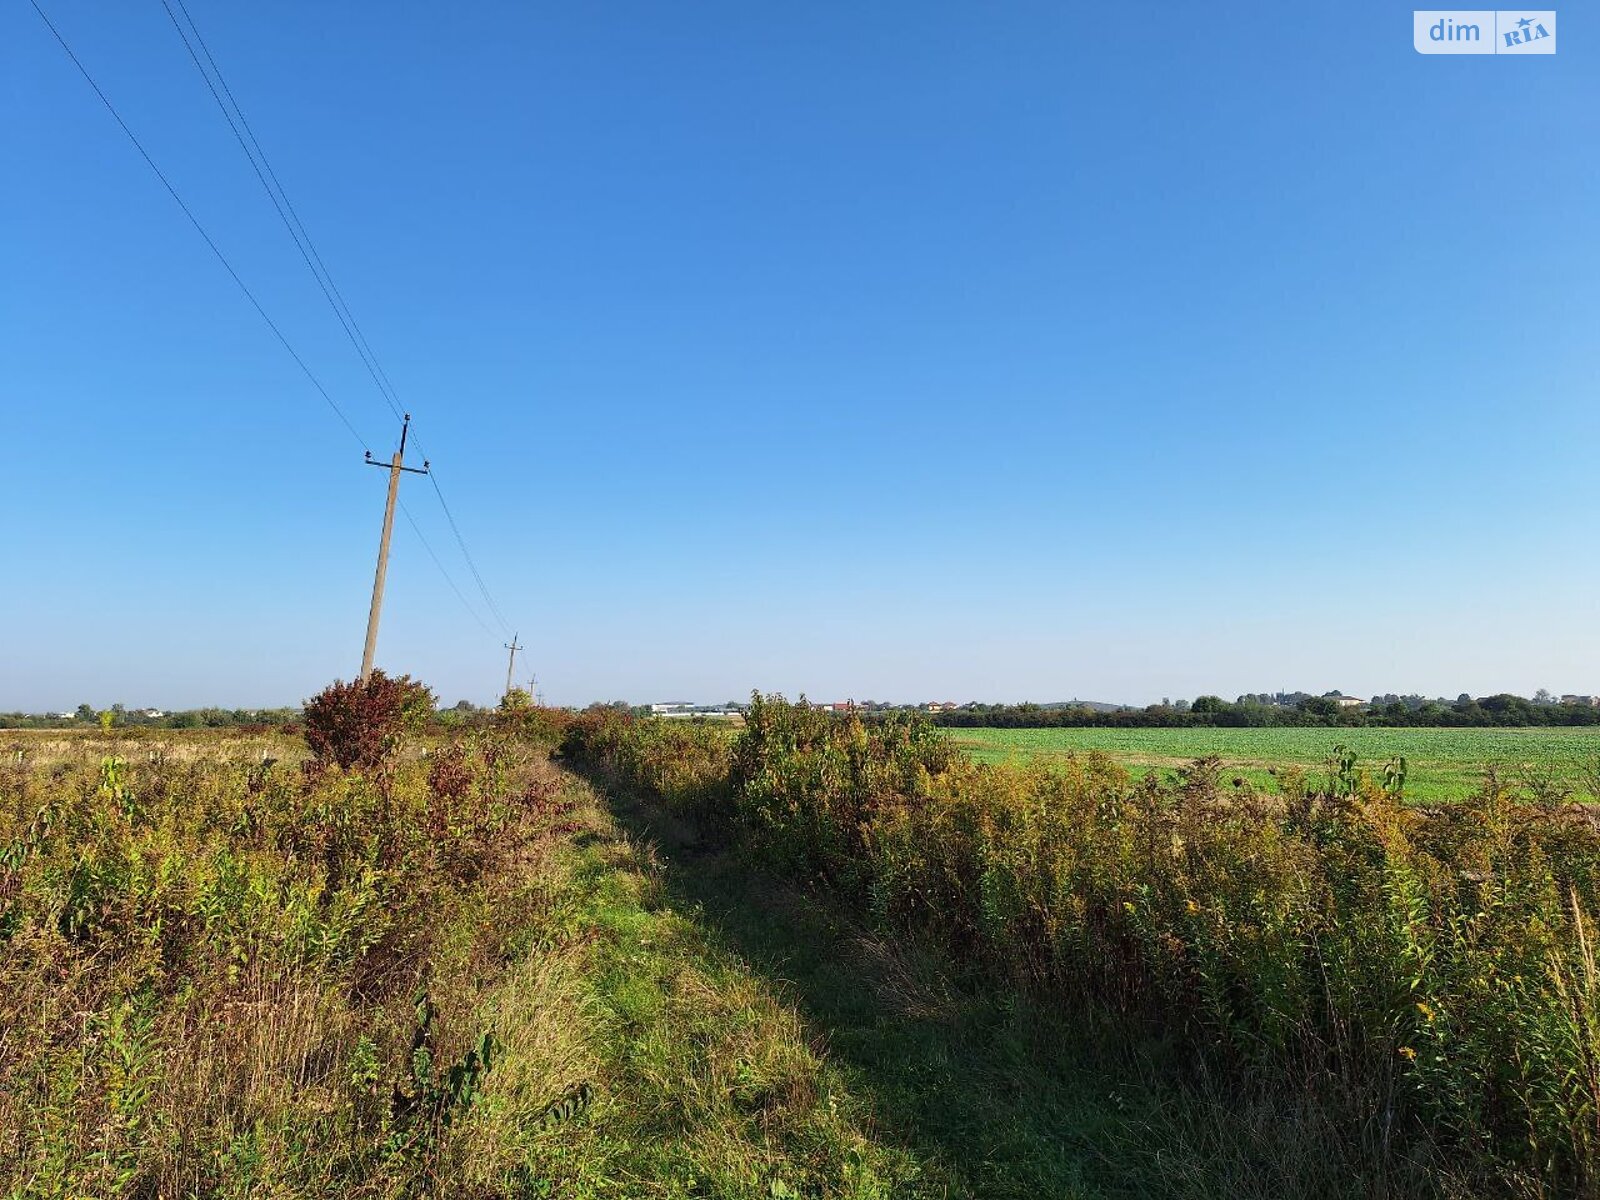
[(1442, 764)]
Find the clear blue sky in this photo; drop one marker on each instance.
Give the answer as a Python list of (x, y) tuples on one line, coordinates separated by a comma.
[(899, 351)]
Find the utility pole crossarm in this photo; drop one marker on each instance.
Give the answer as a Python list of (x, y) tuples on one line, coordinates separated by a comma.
[(422, 470)]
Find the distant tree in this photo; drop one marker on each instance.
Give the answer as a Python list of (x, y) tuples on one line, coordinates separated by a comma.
[(1510, 710), (1543, 696), (86, 712)]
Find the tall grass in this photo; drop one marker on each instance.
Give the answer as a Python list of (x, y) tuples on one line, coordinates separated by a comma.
[(223, 976), (1426, 978), (228, 970)]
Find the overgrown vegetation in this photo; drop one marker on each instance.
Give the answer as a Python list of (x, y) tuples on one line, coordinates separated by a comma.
[(1420, 987), (443, 975), (228, 967)]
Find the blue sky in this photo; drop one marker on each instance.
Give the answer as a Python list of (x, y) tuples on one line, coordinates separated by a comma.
[(894, 351)]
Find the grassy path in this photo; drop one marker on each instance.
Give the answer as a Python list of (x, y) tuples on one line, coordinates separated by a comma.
[(692, 1075), (949, 1076)]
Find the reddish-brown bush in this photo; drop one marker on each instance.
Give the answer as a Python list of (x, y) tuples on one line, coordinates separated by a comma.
[(450, 775), (357, 724)]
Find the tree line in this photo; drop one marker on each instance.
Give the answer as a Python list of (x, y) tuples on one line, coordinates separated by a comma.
[(119, 716), (1466, 711)]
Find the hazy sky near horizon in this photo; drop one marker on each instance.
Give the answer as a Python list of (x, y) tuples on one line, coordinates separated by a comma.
[(899, 351)]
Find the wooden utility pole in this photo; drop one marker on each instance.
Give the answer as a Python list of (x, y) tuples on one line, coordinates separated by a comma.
[(510, 666), (396, 465)]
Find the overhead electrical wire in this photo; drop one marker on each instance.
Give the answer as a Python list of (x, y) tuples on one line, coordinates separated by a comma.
[(314, 262), (259, 163), (465, 553), (417, 529), (273, 186), (199, 228)]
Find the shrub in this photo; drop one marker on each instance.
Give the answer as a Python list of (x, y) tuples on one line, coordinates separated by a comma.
[(686, 763), (539, 727), (356, 725)]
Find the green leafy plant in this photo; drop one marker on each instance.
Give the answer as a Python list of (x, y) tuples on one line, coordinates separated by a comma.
[(435, 1099)]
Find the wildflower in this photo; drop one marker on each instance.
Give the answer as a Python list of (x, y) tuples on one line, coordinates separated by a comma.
[(1191, 907), (1409, 1053), (1425, 1009)]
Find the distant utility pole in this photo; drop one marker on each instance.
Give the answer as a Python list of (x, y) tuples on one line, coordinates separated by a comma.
[(510, 666), (396, 465), (533, 689)]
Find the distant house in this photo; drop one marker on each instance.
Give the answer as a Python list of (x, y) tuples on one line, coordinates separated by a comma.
[(1582, 701), (154, 714), (1348, 701), (935, 706), (683, 710)]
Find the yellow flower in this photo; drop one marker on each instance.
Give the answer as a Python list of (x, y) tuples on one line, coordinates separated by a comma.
[(1409, 1053), (1191, 906), (1425, 1010)]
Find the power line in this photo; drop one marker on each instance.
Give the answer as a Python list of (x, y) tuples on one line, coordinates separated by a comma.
[(276, 192), (417, 529), (273, 175), (298, 233), (467, 554), (199, 228), (249, 295)]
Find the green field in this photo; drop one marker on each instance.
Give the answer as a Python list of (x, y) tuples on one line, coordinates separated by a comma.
[(1442, 764)]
